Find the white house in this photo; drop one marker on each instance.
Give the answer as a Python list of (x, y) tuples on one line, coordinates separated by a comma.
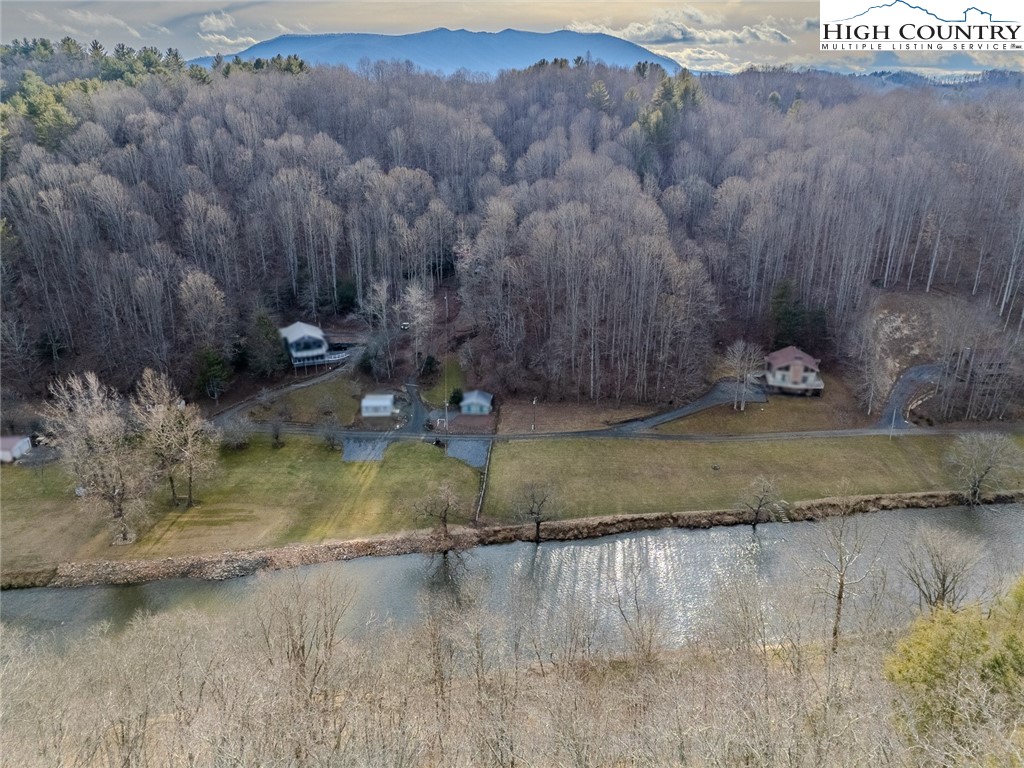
[(377, 405), (13, 447), (306, 344), (792, 370), (476, 401)]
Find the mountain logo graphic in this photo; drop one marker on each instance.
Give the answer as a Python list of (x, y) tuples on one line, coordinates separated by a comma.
[(906, 25), (982, 17)]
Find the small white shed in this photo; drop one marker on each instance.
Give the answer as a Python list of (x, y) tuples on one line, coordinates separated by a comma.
[(377, 405), (476, 401), (13, 447)]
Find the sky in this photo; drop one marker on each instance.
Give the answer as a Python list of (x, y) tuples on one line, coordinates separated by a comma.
[(724, 36)]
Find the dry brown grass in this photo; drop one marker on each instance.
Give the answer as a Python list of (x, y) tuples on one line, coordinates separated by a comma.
[(516, 416)]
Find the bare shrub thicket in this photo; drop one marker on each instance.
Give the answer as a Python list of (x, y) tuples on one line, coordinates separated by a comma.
[(286, 681)]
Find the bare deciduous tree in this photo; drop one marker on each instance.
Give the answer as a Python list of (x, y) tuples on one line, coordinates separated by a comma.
[(176, 433), (763, 501), (985, 461), (743, 359), (535, 507), (939, 566), (416, 306), (99, 445), (442, 506), (842, 552)]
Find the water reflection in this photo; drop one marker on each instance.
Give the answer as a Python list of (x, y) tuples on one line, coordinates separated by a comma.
[(566, 588)]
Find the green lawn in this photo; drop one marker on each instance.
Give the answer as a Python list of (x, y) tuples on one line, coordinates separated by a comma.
[(336, 398), (261, 497), (303, 492), (437, 394), (602, 477), (837, 408), (40, 522)]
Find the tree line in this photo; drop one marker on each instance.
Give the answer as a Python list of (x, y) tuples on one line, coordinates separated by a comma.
[(599, 225)]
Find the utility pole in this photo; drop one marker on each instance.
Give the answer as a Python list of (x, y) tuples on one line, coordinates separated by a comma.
[(533, 426)]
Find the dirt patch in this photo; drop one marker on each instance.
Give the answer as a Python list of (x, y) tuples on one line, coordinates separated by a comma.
[(904, 330), (228, 565), (520, 416), (469, 424)]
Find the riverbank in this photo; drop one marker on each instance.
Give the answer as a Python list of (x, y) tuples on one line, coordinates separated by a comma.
[(234, 564)]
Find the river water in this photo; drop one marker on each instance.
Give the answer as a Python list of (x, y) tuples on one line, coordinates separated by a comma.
[(687, 574)]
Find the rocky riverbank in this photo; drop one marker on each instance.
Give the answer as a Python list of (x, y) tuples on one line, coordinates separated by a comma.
[(229, 565)]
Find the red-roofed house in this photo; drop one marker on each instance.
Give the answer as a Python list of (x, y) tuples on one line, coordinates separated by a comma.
[(792, 370)]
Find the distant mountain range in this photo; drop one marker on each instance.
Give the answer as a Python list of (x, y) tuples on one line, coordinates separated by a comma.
[(447, 51)]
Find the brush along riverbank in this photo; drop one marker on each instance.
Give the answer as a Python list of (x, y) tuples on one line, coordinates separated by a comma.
[(234, 564)]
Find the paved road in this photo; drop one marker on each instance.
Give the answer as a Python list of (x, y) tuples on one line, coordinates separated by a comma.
[(417, 411), (913, 382)]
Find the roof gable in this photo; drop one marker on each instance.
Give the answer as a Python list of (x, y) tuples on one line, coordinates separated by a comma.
[(787, 355), (297, 331), (477, 396)]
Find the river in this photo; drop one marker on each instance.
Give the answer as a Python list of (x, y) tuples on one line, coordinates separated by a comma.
[(684, 573)]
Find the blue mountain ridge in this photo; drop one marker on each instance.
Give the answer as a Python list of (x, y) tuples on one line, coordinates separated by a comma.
[(925, 10), (448, 51)]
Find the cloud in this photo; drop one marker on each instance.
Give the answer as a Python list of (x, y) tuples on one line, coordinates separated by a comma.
[(241, 41), (812, 24), (284, 30), (705, 60), (102, 20), (214, 22), (36, 16), (673, 27), (158, 29)]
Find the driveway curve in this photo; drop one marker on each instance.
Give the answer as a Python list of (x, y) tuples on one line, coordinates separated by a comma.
[(913, 381), (721, 393)]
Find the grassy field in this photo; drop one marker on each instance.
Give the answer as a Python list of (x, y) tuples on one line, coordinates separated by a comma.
[(40, 521), (336, 398), (261, 497), (303, 492), (601, 477), (436, 394), (837, 408)]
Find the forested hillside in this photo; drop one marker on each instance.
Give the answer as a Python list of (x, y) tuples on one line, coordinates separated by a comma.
[(600, 226)]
